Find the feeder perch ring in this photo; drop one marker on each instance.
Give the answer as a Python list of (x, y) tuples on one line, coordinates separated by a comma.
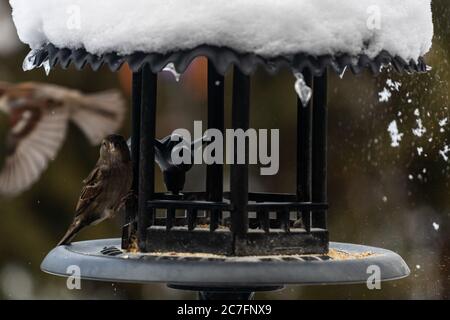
[(104, 261)]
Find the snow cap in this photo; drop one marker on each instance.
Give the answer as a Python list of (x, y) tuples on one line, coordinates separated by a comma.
[(269, 28)]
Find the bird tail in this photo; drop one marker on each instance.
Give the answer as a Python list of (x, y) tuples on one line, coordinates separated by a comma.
[(100, 114), (71, 233)]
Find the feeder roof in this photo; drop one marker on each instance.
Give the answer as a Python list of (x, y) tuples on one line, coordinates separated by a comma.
[(317, 34), (268, 29)]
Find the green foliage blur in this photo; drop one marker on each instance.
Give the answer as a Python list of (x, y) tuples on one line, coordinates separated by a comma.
[(379, 195)]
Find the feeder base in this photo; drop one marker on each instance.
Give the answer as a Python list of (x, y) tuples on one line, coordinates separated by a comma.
[(103, 260)]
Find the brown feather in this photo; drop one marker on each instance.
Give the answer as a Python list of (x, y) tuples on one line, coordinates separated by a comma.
[(39, 116)]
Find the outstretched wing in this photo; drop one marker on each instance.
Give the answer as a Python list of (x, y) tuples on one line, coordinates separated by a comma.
[(93, 186), (37, 131)]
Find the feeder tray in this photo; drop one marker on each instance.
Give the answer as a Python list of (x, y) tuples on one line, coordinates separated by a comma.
[(103, 260)]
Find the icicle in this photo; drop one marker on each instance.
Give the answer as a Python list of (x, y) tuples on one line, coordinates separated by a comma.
[(304, 92), (343, 73), (429, 68), (46, 65), (171, 68), (29, 61)]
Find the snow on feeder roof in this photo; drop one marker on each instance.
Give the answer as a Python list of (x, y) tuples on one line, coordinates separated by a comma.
[(400, 30)]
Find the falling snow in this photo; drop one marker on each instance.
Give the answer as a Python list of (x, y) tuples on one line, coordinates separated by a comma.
[(396, 137), (393, 85), (436, 226), (385, 95), (420, 130), (443, 122), (444, 152)]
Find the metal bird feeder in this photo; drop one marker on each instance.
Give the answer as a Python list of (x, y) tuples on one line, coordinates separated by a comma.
[(259, 248)]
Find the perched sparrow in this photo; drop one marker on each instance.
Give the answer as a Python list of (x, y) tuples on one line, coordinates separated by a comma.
[(39, 116), (105, 189)]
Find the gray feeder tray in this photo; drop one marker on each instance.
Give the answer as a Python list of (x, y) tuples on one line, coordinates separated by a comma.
[(104, 261)]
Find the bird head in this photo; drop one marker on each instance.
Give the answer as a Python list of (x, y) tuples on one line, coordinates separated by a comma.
[(114, 148)]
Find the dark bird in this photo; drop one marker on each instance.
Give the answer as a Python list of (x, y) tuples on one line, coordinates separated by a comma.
[(106, 188), (174, 174), (39, 115)]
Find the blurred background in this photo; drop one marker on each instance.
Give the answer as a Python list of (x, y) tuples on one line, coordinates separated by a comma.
[(393, 197)]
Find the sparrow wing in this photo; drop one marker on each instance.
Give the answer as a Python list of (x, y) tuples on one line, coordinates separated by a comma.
[(93, 186), (37, 131), (99, 114)]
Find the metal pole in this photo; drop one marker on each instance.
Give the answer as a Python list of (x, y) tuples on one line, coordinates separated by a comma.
[(216, 120), (304, 152), (239, 172), (147, 153), (131, 206), (135, 138), (320, 141)]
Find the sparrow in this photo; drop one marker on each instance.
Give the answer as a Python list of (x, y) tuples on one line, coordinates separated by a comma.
[(106, 189), (39, 115)]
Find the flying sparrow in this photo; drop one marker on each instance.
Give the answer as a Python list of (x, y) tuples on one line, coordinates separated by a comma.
[(39, 115), (105, 189)]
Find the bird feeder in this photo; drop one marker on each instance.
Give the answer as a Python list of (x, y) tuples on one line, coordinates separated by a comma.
[(247, 241)]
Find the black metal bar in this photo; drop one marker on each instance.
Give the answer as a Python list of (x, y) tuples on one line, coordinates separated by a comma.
[(188, 196), (131, 206), (216, 120), (285, 219), (131, 210), (170, 218), (264, 197), (279, 206), (239, 172), (147, 153), (222, 206), (264, 221), (320, 124), (191, 218), (179, 204), (304, 152)]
